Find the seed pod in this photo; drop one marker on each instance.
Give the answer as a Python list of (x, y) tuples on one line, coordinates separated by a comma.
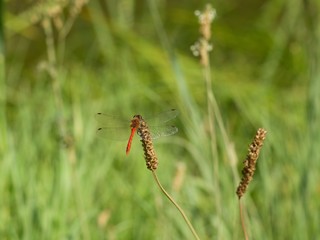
[(250, 162), (149, 153)]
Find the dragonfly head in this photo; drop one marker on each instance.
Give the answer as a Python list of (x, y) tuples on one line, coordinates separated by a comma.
[(136, 120)]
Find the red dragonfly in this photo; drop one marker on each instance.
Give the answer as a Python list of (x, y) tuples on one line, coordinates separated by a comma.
[(115, 128)]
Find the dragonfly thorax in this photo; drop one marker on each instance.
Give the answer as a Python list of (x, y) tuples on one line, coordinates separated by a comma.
[(136, 121)]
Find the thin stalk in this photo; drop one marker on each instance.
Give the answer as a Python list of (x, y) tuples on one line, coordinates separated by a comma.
[(242, 222), (176, 205), (3, 121), (212, 110)]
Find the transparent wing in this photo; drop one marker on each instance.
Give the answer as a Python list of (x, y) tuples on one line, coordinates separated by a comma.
[(108, 120), (121, 134), (114, 133), (161, 118), (116, 128), (162, 131)]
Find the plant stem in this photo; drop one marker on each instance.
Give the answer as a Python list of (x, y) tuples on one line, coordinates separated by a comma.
[(242, 222), (176, 205)]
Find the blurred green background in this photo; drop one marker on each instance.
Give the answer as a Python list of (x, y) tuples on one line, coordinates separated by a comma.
[(67, 60)]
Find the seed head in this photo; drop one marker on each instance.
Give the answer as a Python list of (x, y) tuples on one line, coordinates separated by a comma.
[(149, 153), (250, 162), (202, 47)]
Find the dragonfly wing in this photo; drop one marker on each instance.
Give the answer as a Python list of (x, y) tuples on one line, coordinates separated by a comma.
[(163, 131), (162, 118), (115, 128), (117, 134), (106, 120)]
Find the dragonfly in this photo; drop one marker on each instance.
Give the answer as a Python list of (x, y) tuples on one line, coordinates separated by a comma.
[(115, 128)]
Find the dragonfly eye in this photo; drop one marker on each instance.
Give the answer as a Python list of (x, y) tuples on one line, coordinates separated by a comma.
[(137, 116)]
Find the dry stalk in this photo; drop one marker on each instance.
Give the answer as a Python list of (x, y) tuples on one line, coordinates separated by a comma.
[(152, 164)]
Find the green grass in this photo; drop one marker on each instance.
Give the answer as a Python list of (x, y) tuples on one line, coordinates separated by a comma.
[(57, 178)]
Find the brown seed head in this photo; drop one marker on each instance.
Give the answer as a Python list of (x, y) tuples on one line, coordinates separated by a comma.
[(205, 19), (250, 162), (149, 153)]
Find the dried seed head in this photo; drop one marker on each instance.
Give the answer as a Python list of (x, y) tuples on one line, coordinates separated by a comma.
[(149, 153), (103, 218), (205, 19), (250, 162), (202, 46)]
